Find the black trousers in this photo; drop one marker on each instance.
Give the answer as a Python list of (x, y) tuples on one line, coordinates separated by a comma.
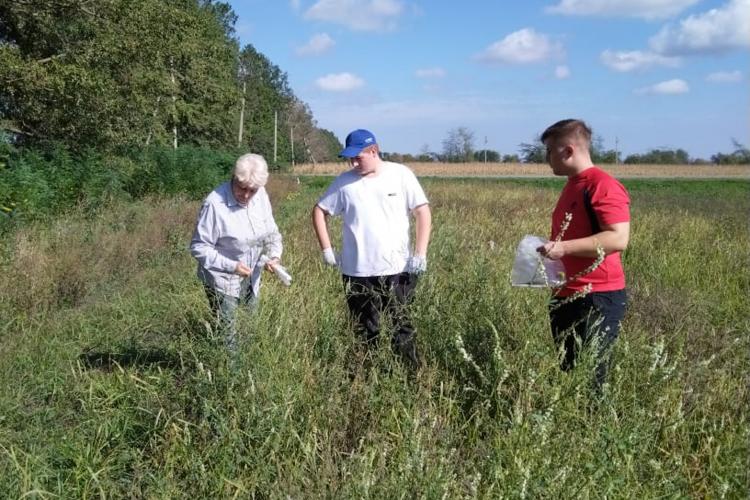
[(370, 297), (593, 318)]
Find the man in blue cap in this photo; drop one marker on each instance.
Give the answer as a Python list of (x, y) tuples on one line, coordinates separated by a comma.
[(375, 200)]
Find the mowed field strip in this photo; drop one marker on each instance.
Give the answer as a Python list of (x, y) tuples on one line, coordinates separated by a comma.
[(479, 169)]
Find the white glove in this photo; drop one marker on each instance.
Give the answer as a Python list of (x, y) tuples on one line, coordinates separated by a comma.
[(329, 257), (417, 264)]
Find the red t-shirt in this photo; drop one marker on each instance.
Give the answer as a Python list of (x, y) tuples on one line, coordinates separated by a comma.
[(610, 204)]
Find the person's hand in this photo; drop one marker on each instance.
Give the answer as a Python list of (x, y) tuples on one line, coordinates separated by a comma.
[(552, 250), (417, 264), (271, 264), (329, 257), (243, 270)]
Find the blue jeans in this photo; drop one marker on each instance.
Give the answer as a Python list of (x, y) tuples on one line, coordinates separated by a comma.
[(594, 318), (224, 310)]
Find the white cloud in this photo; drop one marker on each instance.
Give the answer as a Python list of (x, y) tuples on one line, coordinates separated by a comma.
[(647, 9), (358, 15), (725, 77), (521, 47), (430, 73), (714, 31), (317, 45), (635, 60), (562, 72), (339, 82), (669, 87)]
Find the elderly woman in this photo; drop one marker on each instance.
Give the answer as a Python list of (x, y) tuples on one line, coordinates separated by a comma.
[(235, 228)]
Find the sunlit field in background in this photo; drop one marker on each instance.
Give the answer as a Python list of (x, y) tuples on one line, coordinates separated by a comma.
[(114, 384), (539, 170)]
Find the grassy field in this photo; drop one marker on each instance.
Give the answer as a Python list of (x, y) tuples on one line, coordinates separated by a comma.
[(543, 170), (114, 386)]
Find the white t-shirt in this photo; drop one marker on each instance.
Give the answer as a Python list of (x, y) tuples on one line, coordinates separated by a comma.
[(375, 212)]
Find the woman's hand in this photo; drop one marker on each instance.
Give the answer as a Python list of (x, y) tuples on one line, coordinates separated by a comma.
[(271, 264), (243, 270)]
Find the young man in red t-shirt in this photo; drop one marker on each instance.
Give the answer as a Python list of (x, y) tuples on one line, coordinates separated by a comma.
[(590, 224)]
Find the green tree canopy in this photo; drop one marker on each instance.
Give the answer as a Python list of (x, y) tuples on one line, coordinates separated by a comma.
[(661, 157), (129, 73), (489, 155), (117, 72)]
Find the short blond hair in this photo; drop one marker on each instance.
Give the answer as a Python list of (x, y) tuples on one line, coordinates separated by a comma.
[(251, 169)]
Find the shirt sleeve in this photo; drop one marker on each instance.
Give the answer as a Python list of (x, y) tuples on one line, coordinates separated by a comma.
[(414, 193), (330, 201), (203, 243), (273, 244), (611, 202)]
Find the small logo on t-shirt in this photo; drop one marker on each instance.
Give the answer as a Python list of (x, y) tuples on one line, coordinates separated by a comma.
[(391, 194)]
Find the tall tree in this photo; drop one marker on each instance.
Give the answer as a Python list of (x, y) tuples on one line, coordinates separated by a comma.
[(267, 94), (117, 72), (312, 144), (458, 145), (533, 152), (740, 155)]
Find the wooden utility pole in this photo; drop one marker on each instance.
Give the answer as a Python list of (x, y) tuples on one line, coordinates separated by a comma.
[(291, 142), (242, 115), (309, 151), (275, 131), (174, 103), (617, 156)]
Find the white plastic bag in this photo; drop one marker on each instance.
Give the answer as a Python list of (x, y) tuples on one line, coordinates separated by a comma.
[(527, 270)]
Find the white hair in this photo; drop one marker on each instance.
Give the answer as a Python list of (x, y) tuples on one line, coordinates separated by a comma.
[(251, 169)]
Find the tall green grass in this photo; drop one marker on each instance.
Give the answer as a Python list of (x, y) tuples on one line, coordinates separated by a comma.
[(115, 385)]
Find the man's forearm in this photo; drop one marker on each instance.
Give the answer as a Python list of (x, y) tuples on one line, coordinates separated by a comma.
[(320, 227), (423, 227), (610, 241)]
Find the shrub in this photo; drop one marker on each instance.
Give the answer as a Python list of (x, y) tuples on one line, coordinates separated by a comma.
[(37, 183)]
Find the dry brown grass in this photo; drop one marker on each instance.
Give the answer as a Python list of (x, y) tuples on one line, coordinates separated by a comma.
[(62, 264), (541, 170)]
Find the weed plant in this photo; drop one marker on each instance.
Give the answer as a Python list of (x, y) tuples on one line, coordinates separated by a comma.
[(115, 385)]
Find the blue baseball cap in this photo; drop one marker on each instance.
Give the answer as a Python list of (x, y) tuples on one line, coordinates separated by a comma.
[(356, 142)]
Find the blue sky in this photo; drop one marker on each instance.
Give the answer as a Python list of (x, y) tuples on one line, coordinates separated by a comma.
[(645, 73)]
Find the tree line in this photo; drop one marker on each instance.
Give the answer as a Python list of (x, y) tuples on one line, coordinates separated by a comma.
[(123, 75), (118, 76), (459, 146)]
